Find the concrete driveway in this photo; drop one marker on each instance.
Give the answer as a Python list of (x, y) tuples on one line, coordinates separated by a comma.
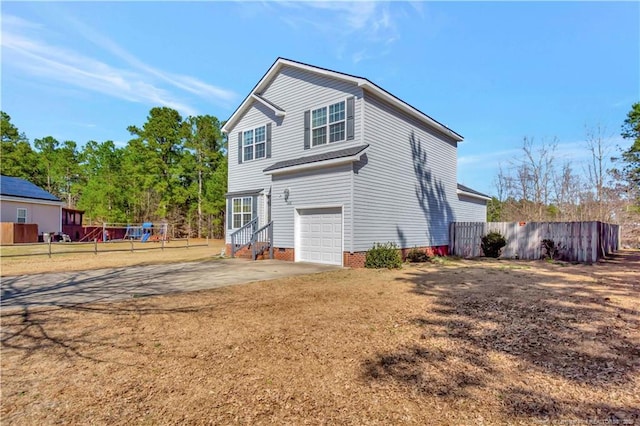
[(107, 285)]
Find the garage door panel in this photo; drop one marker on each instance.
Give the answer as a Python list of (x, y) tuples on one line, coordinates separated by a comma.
[(321, 235)]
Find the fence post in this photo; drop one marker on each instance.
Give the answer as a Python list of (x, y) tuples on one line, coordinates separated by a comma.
[(131, 241), (187, 241), (163, 244), (207, 241), (95, 246), (49, 247)]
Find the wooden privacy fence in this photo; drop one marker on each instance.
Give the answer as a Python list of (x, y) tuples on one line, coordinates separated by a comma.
[(584, 242)]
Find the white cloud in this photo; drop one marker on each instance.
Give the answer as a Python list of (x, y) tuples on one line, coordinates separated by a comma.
[(184, 82), (24, 48), (369, 28)]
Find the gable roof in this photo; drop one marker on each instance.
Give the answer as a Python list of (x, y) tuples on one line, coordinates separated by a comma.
[(16, 187), (472, 192), (359, 81)]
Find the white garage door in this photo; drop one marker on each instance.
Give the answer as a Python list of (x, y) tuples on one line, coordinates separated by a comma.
[(320, 236)]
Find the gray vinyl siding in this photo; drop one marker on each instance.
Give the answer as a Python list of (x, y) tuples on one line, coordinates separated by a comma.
[(395, 193), (403, 195), (470, 209), (325, 187), (248, 175), (261, 208), (295, 91)]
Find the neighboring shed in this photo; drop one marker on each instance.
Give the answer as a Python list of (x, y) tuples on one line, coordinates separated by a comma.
[(72, 223), (21, 204)]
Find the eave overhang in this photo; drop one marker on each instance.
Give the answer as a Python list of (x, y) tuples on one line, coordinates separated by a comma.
[(256, 94), (326, 159)]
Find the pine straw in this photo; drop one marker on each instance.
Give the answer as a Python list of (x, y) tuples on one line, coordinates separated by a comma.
[(468, 342)]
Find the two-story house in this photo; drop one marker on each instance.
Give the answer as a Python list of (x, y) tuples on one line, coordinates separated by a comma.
[(336, 164)]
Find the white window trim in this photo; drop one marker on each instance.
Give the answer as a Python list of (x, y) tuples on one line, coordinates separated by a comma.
[(244, 160), (21, 209), (241, 213), (328, 124)]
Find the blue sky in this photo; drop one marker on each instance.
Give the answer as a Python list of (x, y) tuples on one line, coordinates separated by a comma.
[(494, 72)]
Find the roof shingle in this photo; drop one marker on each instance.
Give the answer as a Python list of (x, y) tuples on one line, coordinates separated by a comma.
[(16, 187), (324, 156), (471, 191)]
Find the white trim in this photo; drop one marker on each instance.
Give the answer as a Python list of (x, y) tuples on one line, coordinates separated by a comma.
[(254, 143), (26, 214), (361, 118), (278, 112), (405, 107), (328, 124), (351, 216), (242, 213), (317, 164), (360, 82), (296, 234), (472, 195), (31, 200), (296, 228)]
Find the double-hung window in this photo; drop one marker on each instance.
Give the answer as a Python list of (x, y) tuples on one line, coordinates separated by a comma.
[(22, 216), (242, 208), (328, 123), (254, 143)]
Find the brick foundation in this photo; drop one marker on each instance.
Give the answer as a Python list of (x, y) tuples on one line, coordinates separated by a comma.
[(244, 253), (357, 259), (349, 260), (283, 253), (353, 260), (431, 251)]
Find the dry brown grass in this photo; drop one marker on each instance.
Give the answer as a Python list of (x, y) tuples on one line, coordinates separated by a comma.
[(468, 342), (143, 254)]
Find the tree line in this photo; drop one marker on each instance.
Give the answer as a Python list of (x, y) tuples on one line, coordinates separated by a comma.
[(538, 186), (173, 168)]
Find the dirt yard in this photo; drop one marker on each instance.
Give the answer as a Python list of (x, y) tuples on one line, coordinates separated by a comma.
[(110, 255), (451, 343)]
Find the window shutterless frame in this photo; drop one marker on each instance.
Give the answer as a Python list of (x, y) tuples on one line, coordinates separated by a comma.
[(22, 216)]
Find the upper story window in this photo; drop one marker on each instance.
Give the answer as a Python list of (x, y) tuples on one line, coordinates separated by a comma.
[(328, 123), (22, 216), (254, 143)]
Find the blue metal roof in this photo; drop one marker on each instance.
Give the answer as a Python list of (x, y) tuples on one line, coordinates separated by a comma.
[(16, 187)]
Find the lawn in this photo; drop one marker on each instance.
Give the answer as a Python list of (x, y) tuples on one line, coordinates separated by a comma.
[(81, 256), (452, 343)]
